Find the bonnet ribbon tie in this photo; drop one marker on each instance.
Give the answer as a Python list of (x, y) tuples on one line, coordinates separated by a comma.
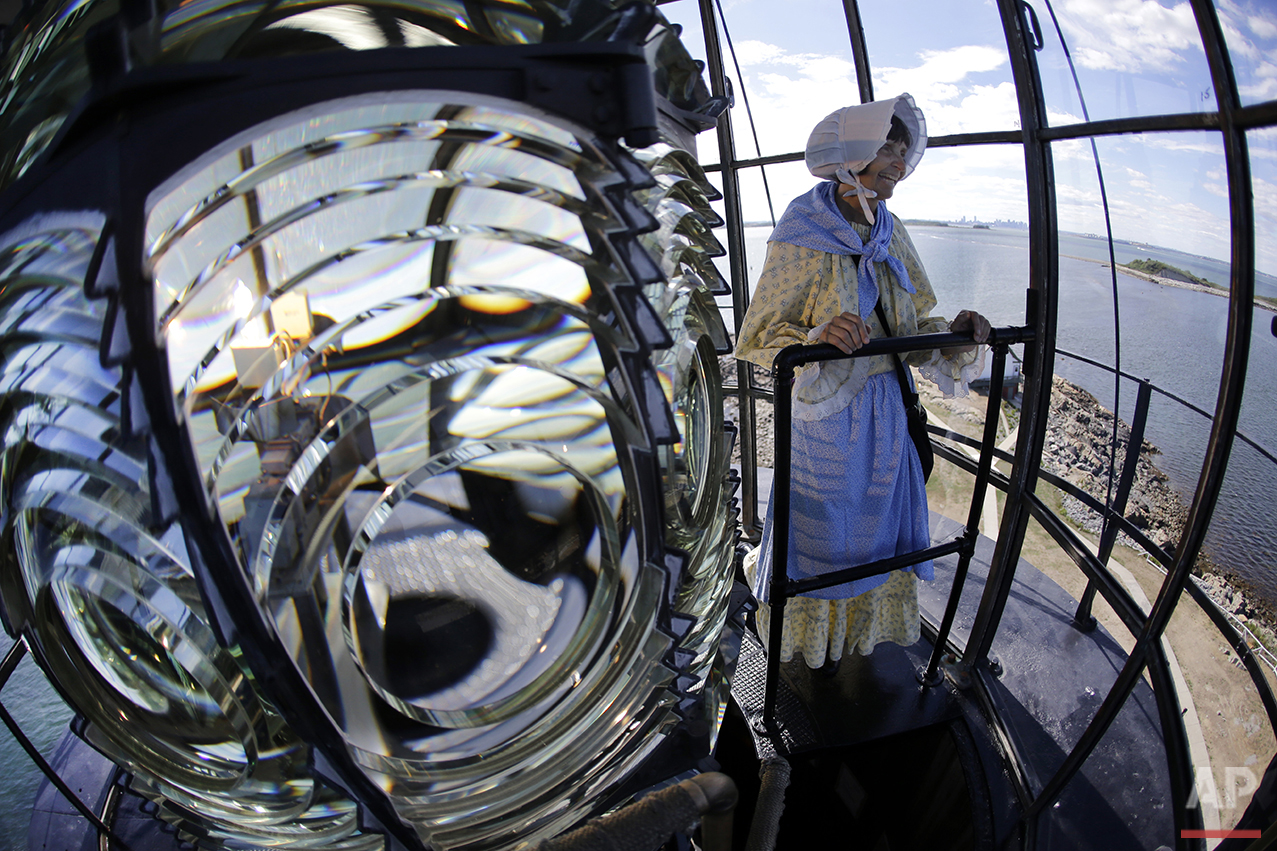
[(861, 192)]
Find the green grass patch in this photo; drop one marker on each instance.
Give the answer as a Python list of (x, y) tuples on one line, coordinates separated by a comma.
[(1166, 270)]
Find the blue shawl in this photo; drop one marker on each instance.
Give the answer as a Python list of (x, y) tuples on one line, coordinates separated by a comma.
[(814, 221)]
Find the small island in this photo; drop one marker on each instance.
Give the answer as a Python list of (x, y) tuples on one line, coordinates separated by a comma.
[(1165, 270), (1168, 275)]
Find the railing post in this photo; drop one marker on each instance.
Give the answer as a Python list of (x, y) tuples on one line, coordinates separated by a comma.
[(780, 588), (930, 676), (782, 384), (1082, 618)]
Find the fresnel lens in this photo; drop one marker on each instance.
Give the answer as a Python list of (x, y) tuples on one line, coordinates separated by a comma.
[(364, 461)]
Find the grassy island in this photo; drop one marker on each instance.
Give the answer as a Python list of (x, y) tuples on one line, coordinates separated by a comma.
[(1166, 270)]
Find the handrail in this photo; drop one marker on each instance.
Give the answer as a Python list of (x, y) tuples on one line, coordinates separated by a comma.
[(1117, 503), (800, 354), (1132, 617), (931, 675), (1099, 577), (784, 365)]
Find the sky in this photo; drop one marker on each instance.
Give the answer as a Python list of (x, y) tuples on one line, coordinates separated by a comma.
[(1132, 58)]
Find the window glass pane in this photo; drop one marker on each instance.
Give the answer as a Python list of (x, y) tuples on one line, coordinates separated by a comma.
[(1250, 28), (1239, 741), (1263, 170), (41, 714), (795, 73), (1132, 58), (953, 63), (1242, 533), (1164, 320), (782, 182), (966, 211), (706, 148), (785, 182)]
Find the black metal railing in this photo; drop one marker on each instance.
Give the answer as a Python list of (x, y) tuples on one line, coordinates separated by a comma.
[(1100, 580), (782, 587)]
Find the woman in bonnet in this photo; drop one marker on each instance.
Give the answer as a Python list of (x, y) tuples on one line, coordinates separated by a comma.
[(858, 492)]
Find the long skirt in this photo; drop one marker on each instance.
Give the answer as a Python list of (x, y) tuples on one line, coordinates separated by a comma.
[(857, 495)]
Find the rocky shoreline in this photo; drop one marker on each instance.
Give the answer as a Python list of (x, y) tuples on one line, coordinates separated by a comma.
[(1079, 433), (1078, 437), (1077, 448)]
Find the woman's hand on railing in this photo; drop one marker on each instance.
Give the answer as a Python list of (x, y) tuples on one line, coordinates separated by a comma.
[(968, 321), (791, 357), (847, 332)]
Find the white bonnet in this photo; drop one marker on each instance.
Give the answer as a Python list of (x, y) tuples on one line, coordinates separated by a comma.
[(849, 138)]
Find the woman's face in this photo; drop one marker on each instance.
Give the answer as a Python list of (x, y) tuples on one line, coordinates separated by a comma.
[(886, 170)]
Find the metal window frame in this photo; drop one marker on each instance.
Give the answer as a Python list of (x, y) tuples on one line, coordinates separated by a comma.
[(1036, 135), (1231, 120)]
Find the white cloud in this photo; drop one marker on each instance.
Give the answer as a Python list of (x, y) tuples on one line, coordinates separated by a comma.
[(1215, 181), (987, 182), (982, 108), (1070, 194), (1256, 75), (1262, 84), (755, 52), (1129, 35), (1266, 201), (790, 92), (1073, 150), (1234, 21), (823, 68), (1262, 27), (1262, 144), (1060, 119), (938, 68), (1160, 190), (1194, 143), (1163, 191), (1266, 225), (951, 103)]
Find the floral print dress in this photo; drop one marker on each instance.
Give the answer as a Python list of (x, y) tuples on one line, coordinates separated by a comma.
[(857, 491)]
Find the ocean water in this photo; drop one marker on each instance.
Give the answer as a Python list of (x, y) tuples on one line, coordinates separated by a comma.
[(1170, 336), (43, 717)]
